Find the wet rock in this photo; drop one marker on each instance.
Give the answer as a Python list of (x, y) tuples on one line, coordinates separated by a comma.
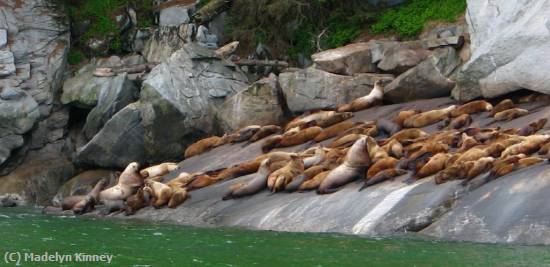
[(175, 14), (3, 38), (205, 38), (430, 79), (346, 60), (7, 66), (83, 183), (163, 42), (11, 200), (313, 89), (259, 104), (505, 57)]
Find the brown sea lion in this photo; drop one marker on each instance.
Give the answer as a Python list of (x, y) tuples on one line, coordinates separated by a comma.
[(427, 118), (429, 147), (510, 114), (344, 141), (302, 137), (481, 151), (136, 202), (388, 127), (315, 158), (179, 195), (505, 165), (182, 180), (201, 146), (69, 202), (245, 133), (533, 98), (265, 131), (257, 184), (402, 116), (335, 118), (383, 176), (278, 180), (271, 143), (373, 98), (201, 181), (407, 134), (158, 170), (472, 108), (159, 192), (394, 148), (457, 123), (533, 127), (457, 171), (313, 183), (369, 129), (376, 153), (88, 203), (502, 106), (356, 162), (310, 119), (380, 165), (530, 145), (128, 182), (433, 166), (334, 130), (479, 166)]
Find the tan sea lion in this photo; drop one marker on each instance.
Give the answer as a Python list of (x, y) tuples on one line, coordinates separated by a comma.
[(383, 176), (388, 127), (201, 181), (278, 180), (380, 165), (466, 142), (458, 122), (182, 180), (104, 72), (87, 204), (310, 119), (533, 98), (533, 127), (402, 116), (394, 148), (265, 131), (136, 202), (429, 147), (407, 134), (373, 98), (510, 114), (271, 143), (502, 106), (333, 119), (128, 182), (179, 195), (457, 171), (226, 50), (505, 165), (159, 192), (344, 141), (356, 162), (313, 183), (334, 130), (427, 118), (158, 170), (257, 184), (201, 146), (376, 153), (479, 166), (472, 108), (433, 166), (530, 145), (302, 137), (481, 151), (245, 133), (315, 158)]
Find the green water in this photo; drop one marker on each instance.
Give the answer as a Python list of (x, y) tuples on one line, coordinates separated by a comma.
[(135, 243)]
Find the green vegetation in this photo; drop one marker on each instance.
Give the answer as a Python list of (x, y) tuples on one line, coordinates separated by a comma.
[(75, 57), (408, 20)]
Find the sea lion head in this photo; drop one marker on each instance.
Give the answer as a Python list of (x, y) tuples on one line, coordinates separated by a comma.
[(132, 167)]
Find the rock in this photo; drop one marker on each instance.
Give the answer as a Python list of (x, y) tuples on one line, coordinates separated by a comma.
[(313, 89), (18, 115), (177, 105), (118, 143), (218, 26), (455, 41), (205, 38), (505, 56), (175, 14), (116, 95), (83, 89), (399, 58), (39, 176), (429, 79), (346, 60), (7, 144), (99, 46), (51, 129), (7, 66), (259, 104), (3, 38), (163, 42), (141, 38), (83, 183), (11, 200)]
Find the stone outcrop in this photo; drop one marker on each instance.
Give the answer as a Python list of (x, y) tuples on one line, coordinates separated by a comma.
[(259, 104), (508, 40), (313, 89), (164, 41), (83, 183), (346, 60)]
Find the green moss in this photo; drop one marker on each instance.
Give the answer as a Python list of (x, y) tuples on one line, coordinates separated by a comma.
[(408, 20), (75, 57)]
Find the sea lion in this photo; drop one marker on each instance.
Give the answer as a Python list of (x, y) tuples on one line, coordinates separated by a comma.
[(258, 183), (505, 165), (158, 170), (394, 148), (407, 134), (334, 130), (427, 118), (356, 162), (182, 180), (387, 126), (302, 137), (310, 119), (472, 108), (87, 204), (502, 106), (457, 171), (373, 98), (479, 166), (380, 165), (369, 129), (376, 153), (271, 143), (201, 180), (245, 133), (510, 114), (458, 122), (278, 180), (480, 151), (128, 182), (201, 146), (530, 145), (429, 147), (159, 192), (433, 166), (533, 98), (104, 72), (533, 127), (136, 202), (265, 131), (402, 116), (314, 182), (466, 142), (179, 195), (226, 50), (383, 176), (344, 141), (315, 158), (328, 121)]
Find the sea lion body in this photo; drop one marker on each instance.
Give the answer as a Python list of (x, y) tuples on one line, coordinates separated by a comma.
[(310, 120), (530, 145), (265, 131), (502, 106), (258, 183), (365, 102), (387, 126), (383, 176), (245, 133), (333, 119), (278, 180), (158, 170), (160, 193), (510, 114), (394, 148), (402, 116), (376, 153), (533, 127), (433, 166), (136, 202), (334, 130), (271, 143), (459, 122), (427, 118), (128, 182), (88, 203), (179, 195), (313, 183), (472, 108), (201, 146), (380, 165), (303, 136), (344, 141)]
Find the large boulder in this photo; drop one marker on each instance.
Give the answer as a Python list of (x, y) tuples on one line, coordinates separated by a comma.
[(173, 13), (400, 57), (259, 104), (313, 89), (83, 183), (177, 105), (346, 60), (508, 41), (430, 79), (164, 41)]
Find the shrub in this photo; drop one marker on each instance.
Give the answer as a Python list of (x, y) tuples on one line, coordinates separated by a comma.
[(75, 57)]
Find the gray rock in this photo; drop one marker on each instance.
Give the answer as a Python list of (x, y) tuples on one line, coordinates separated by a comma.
[(346, 60), (399, 58), (7, 144), (3, 38), (505, 56), (113, 97), (83, 183), (455, 41), (175, 15), (313, 89), (19, 115), (429, 79), (163, 42), (260, 104), (205, 38), (141, 38), (7, 66)]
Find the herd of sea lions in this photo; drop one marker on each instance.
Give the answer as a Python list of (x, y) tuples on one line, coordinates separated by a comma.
[(371, 151)]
